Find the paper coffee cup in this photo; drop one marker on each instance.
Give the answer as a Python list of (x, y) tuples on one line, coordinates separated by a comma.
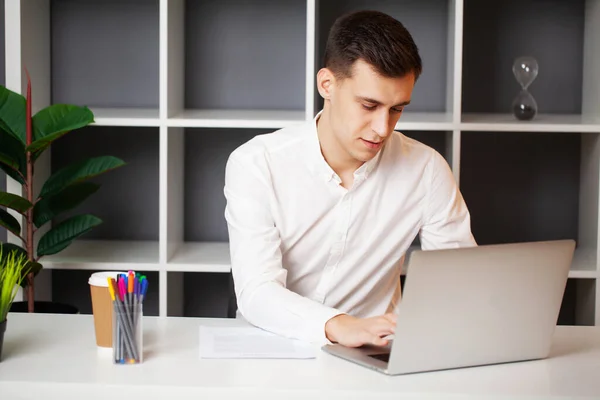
[(102, 306)]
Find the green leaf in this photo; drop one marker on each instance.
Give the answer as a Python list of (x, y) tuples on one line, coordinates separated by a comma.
[(13, 113), (60, 237), (12, 173), (9, 222), (54, 204), (32, 266), (14, 202), (78, 173), (55, 121), (12, 152)]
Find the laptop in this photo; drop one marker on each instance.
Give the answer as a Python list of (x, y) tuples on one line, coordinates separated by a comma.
[(473, 306)]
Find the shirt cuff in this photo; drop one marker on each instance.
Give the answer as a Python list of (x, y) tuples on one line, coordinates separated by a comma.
[(317, 327)]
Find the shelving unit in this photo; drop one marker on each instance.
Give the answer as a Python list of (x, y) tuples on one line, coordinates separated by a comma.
[(177, 85)]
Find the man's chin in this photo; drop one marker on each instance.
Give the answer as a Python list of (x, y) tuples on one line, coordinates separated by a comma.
[(364, 156)]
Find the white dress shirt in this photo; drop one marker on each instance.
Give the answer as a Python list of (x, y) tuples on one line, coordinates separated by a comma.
[(305, 249)]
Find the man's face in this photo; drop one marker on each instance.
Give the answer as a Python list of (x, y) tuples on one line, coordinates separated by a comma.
[(365, 108)]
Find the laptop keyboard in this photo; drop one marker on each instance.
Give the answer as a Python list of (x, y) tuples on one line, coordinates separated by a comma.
[(383, 357)]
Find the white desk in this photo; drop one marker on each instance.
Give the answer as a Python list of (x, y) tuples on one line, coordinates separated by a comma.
[(55, 357)]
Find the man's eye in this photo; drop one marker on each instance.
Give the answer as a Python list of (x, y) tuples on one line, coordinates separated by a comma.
[(366, 107), (397, 110)]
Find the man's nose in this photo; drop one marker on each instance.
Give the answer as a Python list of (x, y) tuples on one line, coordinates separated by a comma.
[(381, 124)]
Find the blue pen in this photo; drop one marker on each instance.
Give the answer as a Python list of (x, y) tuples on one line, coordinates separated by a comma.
[(144, 289)]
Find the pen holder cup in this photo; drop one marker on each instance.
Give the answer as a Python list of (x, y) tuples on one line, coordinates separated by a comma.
[(127, 333)]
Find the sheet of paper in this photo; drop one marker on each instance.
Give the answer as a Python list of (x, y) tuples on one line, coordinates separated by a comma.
[(250, 342)]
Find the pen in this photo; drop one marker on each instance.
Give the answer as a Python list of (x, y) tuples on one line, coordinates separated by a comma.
[(136, 290), (121, 338), (144, 288), (124, 297), (116, 343), (130, 283)]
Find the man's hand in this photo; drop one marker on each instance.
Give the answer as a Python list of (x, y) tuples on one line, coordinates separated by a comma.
[(354, 332)]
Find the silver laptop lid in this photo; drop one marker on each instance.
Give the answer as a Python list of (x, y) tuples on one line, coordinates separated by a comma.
[(480, 305)]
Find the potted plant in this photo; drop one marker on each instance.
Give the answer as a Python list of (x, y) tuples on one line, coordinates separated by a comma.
[(13, 269), (23, 138)]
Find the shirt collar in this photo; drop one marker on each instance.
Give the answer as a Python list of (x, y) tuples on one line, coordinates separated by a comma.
[(319, 166)]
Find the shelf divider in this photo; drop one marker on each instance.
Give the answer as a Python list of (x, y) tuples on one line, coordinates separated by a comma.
[(591, 60), (311, 59), (171, 192), (454, 70), (591, 109), (172, 57)]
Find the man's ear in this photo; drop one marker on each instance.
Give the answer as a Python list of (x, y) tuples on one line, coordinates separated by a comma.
[(325, 82)]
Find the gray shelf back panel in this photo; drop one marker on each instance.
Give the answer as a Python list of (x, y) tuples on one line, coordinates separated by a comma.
[(127, 200), (211, 295), (208, 295), (71, 287), (427, 21), (206, 155), (2, 46), (521, 186), (497, 32), (575, 291), (242, 54), (105, 53)]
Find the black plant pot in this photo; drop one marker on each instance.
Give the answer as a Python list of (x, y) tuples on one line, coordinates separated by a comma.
[(44, 307), (2, 330)]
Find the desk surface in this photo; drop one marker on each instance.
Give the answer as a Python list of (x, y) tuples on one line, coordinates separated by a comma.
[(55, 356)]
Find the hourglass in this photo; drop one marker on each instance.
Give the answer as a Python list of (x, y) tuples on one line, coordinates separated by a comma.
[(525, 70)]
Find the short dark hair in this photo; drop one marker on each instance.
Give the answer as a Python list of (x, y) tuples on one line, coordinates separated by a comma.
[(375, 37)]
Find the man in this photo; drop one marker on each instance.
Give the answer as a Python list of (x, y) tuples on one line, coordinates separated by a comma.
[(320, 215)]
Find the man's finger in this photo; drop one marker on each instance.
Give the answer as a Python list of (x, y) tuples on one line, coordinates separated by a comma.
[(381, 329), (383, 332), (378, 341), (381, 322)]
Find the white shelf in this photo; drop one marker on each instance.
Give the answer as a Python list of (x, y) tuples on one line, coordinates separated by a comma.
[(106, 255), (236, 119), (584, 264), (541, 123), (204, 257), (125, 116), (201, 257), (412, 121), (423, 121)]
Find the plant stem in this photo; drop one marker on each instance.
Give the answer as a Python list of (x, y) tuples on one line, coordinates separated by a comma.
[(29, 186), (31, 257)]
